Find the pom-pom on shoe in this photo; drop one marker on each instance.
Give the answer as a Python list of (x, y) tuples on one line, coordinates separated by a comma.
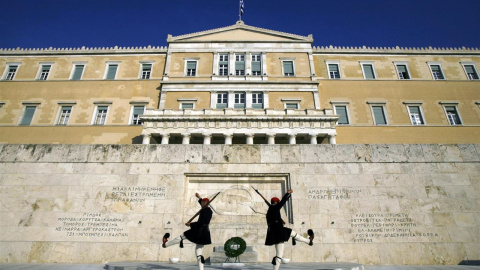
[(165, 239), (312, 235)]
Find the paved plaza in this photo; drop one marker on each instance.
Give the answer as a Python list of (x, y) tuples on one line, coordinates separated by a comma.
[(264, 266)]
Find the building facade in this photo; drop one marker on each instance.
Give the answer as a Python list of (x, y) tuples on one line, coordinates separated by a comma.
[(239, 85)]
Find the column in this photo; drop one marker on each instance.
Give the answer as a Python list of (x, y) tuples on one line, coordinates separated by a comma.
[(215, 63), (266, 103), (248, 99), (186, 138), (271, 138), (292, 138), (264, 63), (313, 138), (249, 138), (228, 138), (146, 138), (332, 139), (248, 63), (231, 99), (231, 64), (312, 65), (213, 99), (165, 138), (207, 138)]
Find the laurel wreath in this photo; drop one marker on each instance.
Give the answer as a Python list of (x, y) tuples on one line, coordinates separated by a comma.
[(239, 246)]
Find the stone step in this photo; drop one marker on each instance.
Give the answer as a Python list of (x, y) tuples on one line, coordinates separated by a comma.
[(249, 256)]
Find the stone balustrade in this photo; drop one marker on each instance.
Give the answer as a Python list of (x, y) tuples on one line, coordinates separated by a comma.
[(222, 125)]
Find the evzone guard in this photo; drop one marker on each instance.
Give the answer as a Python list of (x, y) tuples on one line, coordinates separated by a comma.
[(199, 232), (277, 234)]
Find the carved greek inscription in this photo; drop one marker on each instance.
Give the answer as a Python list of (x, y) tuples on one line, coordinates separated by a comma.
[(332, 193), (381, 226), (92, 225), (136, 194)]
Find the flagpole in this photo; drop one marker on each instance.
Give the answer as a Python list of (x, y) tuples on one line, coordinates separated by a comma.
[(240, 10)]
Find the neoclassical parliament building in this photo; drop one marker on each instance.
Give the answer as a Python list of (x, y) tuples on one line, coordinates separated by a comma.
[(240, 85)]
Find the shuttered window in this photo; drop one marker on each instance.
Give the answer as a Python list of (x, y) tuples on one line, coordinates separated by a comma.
[(77, 72), (471, 72), (416, 115), (111, 72), (452, 115), (368, 71), (256, 65), (28, 115), (403, 72), (379, 115), (223, 65), (146, 71), (45, 70), (437, 72), (137, 111), (334, 73), (191, 68), (240, 65), (288, 68), (64, 115), (342, 112)]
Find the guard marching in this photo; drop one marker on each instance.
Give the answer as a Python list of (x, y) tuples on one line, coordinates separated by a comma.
[(199, 232), (277, 234)]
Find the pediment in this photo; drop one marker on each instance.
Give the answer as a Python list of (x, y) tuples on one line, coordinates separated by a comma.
[(240, 33)]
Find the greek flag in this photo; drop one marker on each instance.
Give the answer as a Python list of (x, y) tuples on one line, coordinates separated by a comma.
[(242, 6)]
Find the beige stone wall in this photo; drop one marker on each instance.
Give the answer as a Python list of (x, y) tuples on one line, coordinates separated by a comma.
[(395, 93), (306, 99), (85, 93), (350, 67), (128, 68), (202, 99), (204, 65), (372, 204)]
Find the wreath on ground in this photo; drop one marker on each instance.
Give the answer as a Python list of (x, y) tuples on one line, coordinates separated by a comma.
[(234, 247)]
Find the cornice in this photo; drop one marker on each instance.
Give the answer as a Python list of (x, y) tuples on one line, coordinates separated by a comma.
[(392, 50), (83, 50)]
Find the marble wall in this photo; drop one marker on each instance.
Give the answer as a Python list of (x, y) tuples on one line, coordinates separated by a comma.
[(372, 204)]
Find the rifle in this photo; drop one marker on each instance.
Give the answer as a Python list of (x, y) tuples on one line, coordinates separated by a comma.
[(256, 190), (198, 213)]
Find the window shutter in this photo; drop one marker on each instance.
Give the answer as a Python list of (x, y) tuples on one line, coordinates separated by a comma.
[(46, 68), (28, 116), (112, 70), (256, 66), (138, 110), (240, 65), (368, 69), (187, 105), (77, 73), (191, 65), (342, 111), (469, 69), (402, 68), (102, 108), (333, 67), (288, 67), (414, 110), (379, 115)]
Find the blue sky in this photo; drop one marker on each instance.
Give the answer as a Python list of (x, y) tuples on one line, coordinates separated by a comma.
[(102, 23)]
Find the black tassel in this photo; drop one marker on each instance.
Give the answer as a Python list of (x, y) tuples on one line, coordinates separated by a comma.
[(274, 261), (202, 259), (181, 243), (293, 241), (310, 232)]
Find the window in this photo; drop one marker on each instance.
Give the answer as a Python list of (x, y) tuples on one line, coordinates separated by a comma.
[(191, 68), (28, 115), (44, 71), (77, 71), (452, 115), (402, 71), (136, 112), (65, 113), (470, 70), (146, 71), (239, 101), (240, 65), (111, 71), (222, 100), (257, 100), (436, 70), (10, 72), (223, 65), (333, 70), (368, 70), (379, 116), (187, 106), (256, 65), (288, 69), (342, 111), (416, 115), (100, 115)]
